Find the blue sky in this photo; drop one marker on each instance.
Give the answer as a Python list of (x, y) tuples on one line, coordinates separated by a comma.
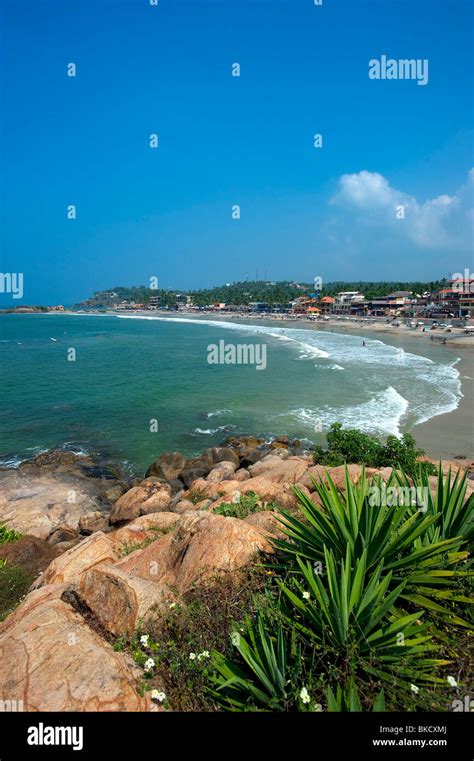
[(226, 140)]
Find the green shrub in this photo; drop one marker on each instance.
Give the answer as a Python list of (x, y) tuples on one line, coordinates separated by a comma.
[(8, 535), (247, 504), (353, 446), (14, 584), (199, 623), (407, 539), (196, 495), (448, 501), (267, 678), (355, 578), (351, 612), (347, 699)]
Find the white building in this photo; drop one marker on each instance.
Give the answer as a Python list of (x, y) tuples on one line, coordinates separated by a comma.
[(346, 300)]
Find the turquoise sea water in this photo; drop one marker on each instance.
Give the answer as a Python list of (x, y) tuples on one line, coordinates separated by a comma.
[(130, 370)]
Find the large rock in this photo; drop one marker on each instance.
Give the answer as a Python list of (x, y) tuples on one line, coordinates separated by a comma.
[(69, 566), (225, 454), (96, 521), (195, 468), (244, 442), (222, 472), (120, 601), (143, 528), (251, 456), (224, 491), (53, 661), (279, 471), (150, 497), (185, 506), (61, 534), (38, 503), (168, 466), (267, 522), (337, 475), (158, 501), (202, 546)]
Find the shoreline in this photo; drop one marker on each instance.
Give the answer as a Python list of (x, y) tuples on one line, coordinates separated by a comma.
[(439, 435), (447, 435)]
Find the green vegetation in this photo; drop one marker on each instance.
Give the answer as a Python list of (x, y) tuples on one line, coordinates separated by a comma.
[(126, 548), (367, 606), (14, 584), (246, 291), (247, 505), (196, 495), (349, 445), (180, 643), (14, 580), (8, 535)]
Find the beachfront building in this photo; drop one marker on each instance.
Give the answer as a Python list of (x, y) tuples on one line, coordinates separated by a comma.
[(235, 308), (326, 304), (392, 304), (455, 301), (348, 302), (155, 301), (260, 306), (466, 305), (303, 304), (183, 301)]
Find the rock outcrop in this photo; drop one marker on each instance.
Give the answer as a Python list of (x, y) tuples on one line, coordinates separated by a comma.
[(69, 566), (202, 546), (120, 601), (150, 497), (51, 495), (112, 558), (53, 661)]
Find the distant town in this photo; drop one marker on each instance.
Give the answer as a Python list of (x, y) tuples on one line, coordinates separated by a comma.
[(450, 298)]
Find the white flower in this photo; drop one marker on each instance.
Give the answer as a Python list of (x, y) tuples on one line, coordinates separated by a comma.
[(304, 695), (159, 696), (205, 654), (452, 682), (235, 639), (306, 595), (149, 664), (144, 640), (414, 688), (192, 656)]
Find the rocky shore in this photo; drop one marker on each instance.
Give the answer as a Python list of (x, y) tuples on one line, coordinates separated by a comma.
[(103, 556)]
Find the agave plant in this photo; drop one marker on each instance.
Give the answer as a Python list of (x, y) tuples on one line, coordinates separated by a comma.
[(448, 501), (269, 667), (403, 538), (351, 612), (347, 699)]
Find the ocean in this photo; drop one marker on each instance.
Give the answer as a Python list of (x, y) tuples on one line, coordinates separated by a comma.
[(142, 385)]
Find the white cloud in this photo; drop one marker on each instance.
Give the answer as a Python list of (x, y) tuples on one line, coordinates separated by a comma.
[(366, 200)]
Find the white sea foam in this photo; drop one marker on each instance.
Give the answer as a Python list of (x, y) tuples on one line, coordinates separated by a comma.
[(11, 462), (373, 356), (218, 413), (381, 414)]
